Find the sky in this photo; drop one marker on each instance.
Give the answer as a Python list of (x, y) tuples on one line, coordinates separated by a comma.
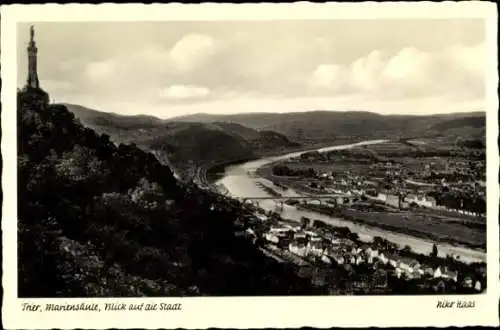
[(169, 69)]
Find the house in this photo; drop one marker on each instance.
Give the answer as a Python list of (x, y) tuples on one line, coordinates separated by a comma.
[(359, 260), (420, 200), (389, 199), (382, 258), (341, 259), (326, 259), (315, 247), (250, 234), (335, 242), (261, 217), (408, 265), (299, 236), (272, 238), (277, 230), (418, 273), (437, 273), (299, 246), (300, 250), (347, 242), (452, 275), (310, 233), (467, 282)]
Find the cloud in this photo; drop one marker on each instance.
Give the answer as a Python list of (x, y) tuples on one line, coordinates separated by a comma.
[(365, 72), (407, 73), (330, 76), (180, 92), (192, 51), (143, 66)]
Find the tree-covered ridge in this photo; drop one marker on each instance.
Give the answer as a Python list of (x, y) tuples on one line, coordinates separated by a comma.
[(96, 219), (187, 145)]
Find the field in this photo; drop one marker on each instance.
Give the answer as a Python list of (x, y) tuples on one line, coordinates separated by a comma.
[(437, 228)]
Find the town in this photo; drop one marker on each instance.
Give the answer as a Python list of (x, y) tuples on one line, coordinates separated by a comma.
[(427, 193), (335, 259), (430, 195)]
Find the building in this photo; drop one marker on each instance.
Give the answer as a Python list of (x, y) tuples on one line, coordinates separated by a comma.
[(423, 201), (315, 247), (437, 273), (389, 199), (32, 93)]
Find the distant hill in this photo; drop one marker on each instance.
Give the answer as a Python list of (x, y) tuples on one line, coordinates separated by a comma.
[(202, 138), (185, 144), (320, 126)]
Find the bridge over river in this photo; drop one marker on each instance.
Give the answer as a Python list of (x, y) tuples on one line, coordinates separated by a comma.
[(284, 198), (280, 200)]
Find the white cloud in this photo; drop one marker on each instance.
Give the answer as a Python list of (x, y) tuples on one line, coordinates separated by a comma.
[(193, 50), (409, 66), (408, 73), (181, 92), (142, 67), (330, 76), (365, 72)]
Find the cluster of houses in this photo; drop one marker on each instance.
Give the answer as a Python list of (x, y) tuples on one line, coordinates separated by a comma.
[(358, 185), (401, 201), (328, 249)]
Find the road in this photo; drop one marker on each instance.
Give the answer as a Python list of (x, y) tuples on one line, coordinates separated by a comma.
[(240, 183)]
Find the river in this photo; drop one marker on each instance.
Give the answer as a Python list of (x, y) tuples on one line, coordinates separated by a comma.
[(240, 181)]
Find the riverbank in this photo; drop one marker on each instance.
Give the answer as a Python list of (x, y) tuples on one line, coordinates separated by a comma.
[(326, 210), (214, 172)]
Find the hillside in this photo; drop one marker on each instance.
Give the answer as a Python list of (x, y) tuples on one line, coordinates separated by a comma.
[(185, 144), (321, 126), (97, 220)]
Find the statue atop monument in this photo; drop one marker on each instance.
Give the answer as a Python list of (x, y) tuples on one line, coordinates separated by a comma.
[(32, 87), (32, 61)]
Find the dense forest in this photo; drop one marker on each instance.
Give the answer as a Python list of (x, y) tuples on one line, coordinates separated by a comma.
[(97, 219)]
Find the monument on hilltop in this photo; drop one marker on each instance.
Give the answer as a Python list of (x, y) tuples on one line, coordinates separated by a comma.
[(32, 91)]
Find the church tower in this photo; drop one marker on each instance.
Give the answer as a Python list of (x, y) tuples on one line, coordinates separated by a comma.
[(32, 59)]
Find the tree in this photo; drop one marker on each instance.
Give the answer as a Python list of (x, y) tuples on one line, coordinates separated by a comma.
[(305, 222), (406, 249), (434, 252)]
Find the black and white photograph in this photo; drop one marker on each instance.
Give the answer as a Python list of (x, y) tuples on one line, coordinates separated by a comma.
[(253, 158)]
